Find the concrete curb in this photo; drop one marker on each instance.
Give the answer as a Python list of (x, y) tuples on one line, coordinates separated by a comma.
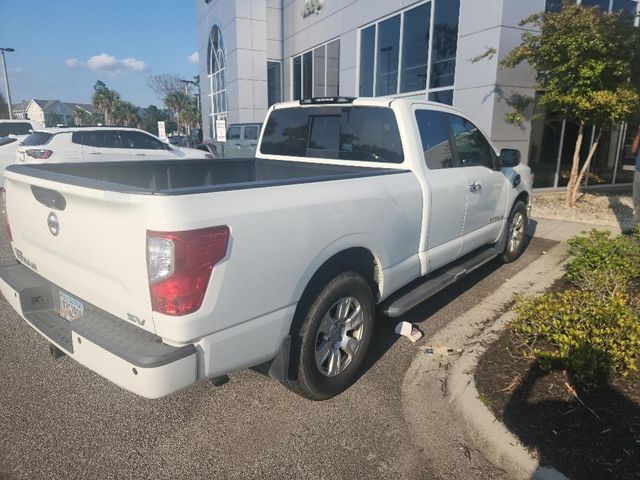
[(478, 327)]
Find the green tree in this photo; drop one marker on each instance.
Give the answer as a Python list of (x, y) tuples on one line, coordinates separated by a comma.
[(150, 117), (125, 113), (105, 100), (184, 109), (588, 65), (82, 118)]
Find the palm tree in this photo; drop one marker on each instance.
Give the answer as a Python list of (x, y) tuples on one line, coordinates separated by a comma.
[(184, 109), (126, 113), (105, 100)]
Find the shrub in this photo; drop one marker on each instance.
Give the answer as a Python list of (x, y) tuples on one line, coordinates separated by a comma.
[(591, 334), (616, 257)]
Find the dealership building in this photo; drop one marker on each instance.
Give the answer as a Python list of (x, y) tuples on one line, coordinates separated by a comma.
[(254, 53)]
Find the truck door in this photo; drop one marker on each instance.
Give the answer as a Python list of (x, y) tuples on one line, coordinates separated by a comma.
[(487, 187), (445, 192)]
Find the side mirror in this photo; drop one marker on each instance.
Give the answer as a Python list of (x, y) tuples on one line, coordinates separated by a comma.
[(166, 146), (509, 157)]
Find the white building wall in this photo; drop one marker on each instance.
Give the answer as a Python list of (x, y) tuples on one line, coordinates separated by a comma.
[(482, 88), (243, 24), (255, 31), (34, 112)]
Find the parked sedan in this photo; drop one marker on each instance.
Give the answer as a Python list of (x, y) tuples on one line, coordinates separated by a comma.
[(98, 144)]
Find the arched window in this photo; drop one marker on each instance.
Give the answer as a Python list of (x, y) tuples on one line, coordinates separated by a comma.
[(217, 79)]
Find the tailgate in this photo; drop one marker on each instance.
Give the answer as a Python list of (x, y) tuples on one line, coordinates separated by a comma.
[(88, 242)]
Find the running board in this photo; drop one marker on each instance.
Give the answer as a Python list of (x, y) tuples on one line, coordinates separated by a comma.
[(438, 280)]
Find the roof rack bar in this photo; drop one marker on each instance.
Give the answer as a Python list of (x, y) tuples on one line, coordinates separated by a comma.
[(326, 100)]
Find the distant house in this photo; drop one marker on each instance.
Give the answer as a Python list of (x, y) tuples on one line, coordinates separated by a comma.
[(20, 110), (55, 112)]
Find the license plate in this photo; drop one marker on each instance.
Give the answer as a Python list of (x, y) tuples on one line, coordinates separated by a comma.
[(70, 308)]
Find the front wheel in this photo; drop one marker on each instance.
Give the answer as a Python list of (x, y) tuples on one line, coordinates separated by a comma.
[(516, 233), (334, 337)]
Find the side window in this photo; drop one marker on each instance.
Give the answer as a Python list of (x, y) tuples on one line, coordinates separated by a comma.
[(139, 140), (251, 132), (473, 149), (233, 133), (14, 128), (101, 139), (434, 133)]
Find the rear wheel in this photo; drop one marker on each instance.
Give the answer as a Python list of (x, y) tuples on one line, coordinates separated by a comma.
[(334, 337), (516, 233)]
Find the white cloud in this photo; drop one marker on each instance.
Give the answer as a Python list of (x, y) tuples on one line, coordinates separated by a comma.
[(108, 63), (103, 61), (72, 62), (194, 57), (133, 64)]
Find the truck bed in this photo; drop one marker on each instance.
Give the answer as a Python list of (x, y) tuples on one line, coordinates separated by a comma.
[(180, 177)]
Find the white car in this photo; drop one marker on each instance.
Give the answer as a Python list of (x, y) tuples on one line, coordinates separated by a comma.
[(98, 144), (159, 274), (8, 147), (17, 127)]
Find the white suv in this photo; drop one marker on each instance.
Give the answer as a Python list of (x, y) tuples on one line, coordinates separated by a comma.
[(98, 144), (17, 127)]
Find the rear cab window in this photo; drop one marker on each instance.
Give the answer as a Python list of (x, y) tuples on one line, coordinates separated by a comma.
[(360, 133)]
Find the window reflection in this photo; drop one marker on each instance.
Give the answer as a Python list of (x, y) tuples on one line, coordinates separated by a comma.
[(388, 54), (367, 54), (415, 48), (445, 43)]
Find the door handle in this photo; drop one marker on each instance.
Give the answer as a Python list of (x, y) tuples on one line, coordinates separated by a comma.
[(95, 153), (475, 187), (140, 154)]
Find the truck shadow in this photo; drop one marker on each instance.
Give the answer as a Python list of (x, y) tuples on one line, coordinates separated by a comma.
[(597, 439)]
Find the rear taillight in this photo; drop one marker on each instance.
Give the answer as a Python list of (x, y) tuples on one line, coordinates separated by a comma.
[(39, 153), (179, 265), (3, 212)]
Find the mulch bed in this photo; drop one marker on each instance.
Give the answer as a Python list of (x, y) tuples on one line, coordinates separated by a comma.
[(599, 439)]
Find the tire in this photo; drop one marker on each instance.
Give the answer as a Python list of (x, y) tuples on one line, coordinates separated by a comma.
[(333, 338), (516, 233)]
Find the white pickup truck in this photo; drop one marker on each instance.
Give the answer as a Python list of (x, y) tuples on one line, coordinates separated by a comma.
[(156, 274)]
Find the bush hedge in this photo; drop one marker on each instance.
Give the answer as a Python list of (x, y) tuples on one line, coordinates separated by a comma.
[(592, 328)]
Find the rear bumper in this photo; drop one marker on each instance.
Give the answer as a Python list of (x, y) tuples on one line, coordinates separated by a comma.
[(128, 356)]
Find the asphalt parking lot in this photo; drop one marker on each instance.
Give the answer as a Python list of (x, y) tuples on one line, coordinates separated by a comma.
[(60, 420)]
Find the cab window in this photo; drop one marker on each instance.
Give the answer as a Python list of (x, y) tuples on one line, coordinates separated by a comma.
[(233, 133), (434, 134), (472, 147)]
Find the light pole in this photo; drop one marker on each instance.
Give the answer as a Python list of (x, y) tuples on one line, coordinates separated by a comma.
[(6, 79)]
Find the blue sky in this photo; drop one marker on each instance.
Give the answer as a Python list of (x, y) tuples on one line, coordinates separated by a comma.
[(64, 46)]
